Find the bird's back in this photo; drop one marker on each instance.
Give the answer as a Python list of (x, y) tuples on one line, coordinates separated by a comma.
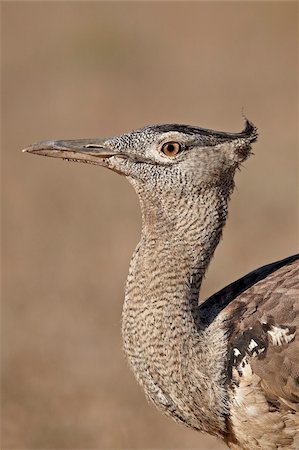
[(261, 311)]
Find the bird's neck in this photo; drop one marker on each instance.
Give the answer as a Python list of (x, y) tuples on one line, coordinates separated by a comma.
[(170, 351)]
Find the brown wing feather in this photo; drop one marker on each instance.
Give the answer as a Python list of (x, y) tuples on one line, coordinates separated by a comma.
[(267, 316), (263, 348)]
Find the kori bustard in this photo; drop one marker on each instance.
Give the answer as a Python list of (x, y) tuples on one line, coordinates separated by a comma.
[(227, 365)]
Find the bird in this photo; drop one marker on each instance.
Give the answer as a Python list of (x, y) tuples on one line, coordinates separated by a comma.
[(227, 365)]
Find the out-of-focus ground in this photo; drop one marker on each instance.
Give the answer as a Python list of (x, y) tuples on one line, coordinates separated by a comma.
[(86, 69)]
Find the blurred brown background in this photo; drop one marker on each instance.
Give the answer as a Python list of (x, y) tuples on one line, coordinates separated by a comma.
[(87, 69)]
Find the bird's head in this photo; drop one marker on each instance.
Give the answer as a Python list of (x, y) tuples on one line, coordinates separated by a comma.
[(161, 157)]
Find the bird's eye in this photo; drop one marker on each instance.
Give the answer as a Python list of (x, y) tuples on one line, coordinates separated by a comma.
[(171, 148)]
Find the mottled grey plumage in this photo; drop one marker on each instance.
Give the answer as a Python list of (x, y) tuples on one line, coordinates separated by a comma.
[(228, 365)]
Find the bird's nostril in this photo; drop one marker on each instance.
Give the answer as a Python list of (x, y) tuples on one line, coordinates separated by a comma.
[(92, 146)]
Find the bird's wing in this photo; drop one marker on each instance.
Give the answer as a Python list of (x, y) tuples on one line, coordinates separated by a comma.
[(263, 355)]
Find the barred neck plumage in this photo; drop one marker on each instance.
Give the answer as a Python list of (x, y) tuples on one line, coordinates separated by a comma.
[(163, 335)]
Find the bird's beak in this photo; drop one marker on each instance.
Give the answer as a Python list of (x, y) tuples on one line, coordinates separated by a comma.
[(93, 151)]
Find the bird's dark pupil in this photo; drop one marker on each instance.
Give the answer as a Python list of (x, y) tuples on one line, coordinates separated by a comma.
[(170, 147)]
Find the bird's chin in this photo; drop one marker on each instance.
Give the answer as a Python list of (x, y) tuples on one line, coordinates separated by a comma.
[(119, 164)]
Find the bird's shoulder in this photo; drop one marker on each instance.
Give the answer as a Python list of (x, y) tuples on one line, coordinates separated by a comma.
[(262, 329), (261, 316)]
